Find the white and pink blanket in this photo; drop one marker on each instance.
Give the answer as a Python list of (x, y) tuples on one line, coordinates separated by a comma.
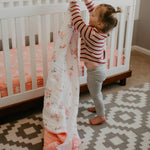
[(62, 92)]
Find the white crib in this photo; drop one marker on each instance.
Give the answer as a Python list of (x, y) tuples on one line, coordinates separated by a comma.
[(36, 23)]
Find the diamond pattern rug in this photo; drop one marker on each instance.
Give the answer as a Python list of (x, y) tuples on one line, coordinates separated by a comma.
[(127, 126)]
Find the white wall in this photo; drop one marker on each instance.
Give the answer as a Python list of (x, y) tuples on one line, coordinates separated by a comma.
[(137, 11), (141, 34)]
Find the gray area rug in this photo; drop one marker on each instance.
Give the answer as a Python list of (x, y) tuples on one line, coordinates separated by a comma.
[(127, 126)]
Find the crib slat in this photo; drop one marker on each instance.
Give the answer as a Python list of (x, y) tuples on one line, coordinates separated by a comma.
[(55, 1), (32, 52), (47, 1), (108, 41), (20, 54), (121, 36), (48, 25), (39, 2), (11, 4), (44, 49), (0, 30), (129, 32), (21, 3), (55, 25), (112, 47), (1, 5), (61, 19), (117, 32), (51, 29), (113, 44), (13, 32), (30, 2), (12, 28), (7, 56), (39, 28), (23, 30), (26, 27)]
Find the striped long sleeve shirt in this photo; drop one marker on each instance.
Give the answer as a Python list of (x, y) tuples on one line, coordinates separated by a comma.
[(92, 41)]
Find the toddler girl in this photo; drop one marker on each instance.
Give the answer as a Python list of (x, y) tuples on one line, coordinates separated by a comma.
[(93, 44)]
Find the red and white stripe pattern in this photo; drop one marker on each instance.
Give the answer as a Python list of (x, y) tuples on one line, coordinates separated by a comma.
[(92, 41), (90, 5)]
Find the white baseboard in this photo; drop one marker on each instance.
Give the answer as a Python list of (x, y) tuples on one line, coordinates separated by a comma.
[(141, 49)]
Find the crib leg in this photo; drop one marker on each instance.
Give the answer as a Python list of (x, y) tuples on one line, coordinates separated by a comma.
[(123, 82)]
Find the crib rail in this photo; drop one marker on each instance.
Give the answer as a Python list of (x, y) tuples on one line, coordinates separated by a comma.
[(32, 10), (21, 18), (22, 3), (43, 21), (18, 3)]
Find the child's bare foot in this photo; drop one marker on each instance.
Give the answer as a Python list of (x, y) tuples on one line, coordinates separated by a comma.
[(97, 120), (92, 109)]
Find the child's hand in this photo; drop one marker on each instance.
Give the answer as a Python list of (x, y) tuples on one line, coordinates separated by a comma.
[(86, 1)]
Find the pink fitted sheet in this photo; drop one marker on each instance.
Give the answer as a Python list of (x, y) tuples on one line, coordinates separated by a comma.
[(39, 67), (27, 68)]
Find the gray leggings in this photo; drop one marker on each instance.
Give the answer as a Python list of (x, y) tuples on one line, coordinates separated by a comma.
[(95, 78)]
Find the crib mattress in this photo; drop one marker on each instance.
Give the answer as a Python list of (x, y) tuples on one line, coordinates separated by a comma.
[(39, 68)]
